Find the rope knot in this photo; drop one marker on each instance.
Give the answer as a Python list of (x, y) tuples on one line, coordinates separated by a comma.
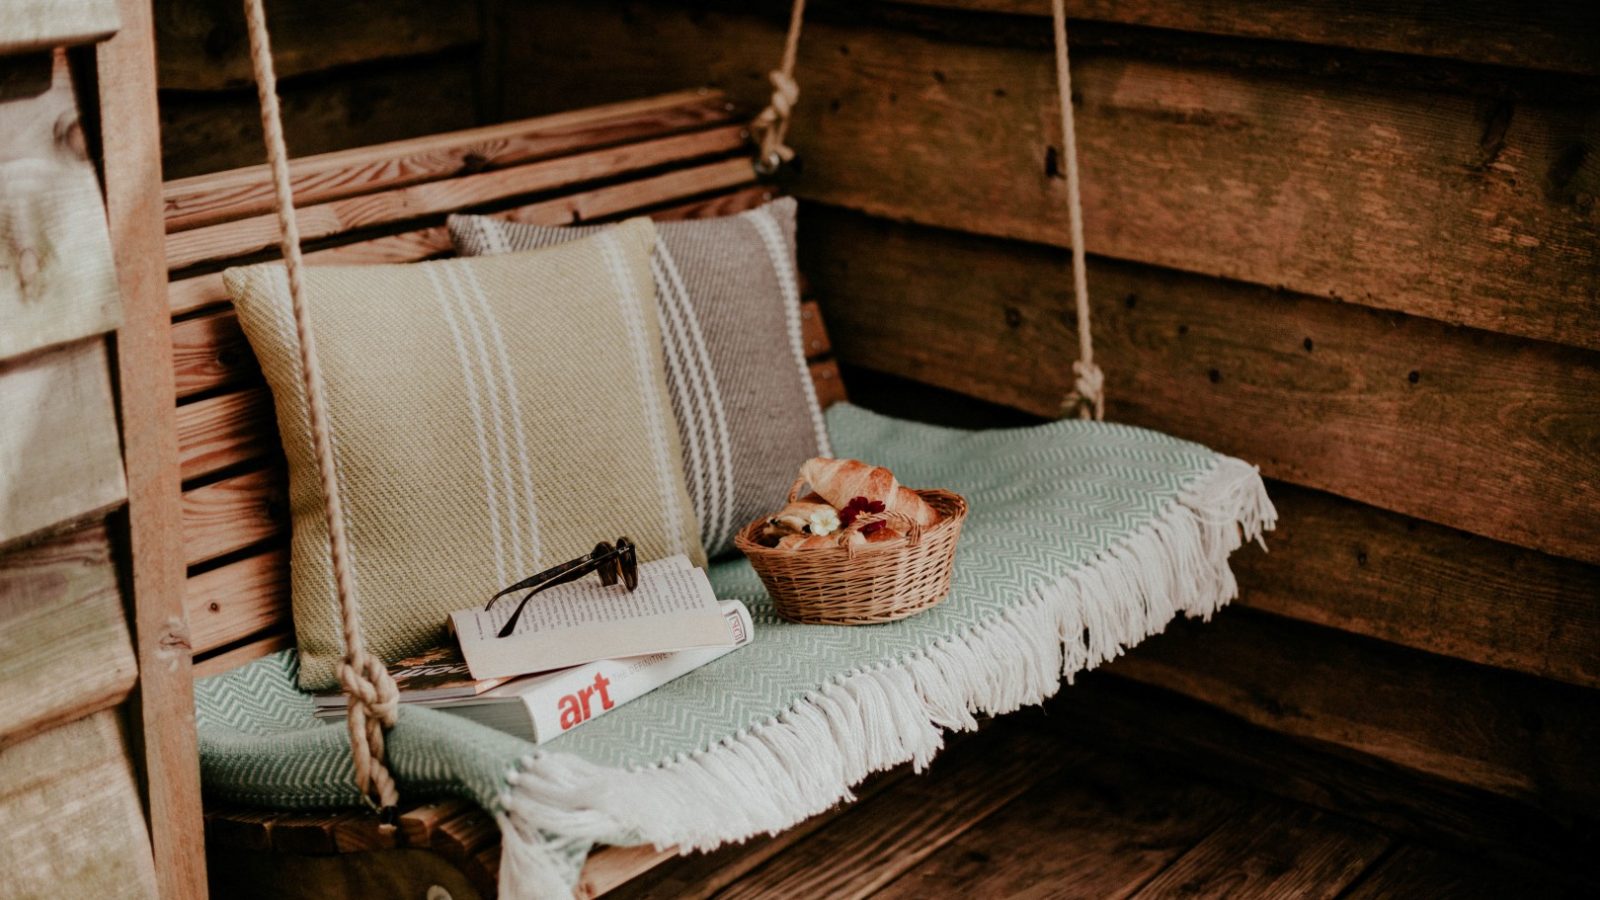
[(368, 683), (772, 124), (1088, 389)]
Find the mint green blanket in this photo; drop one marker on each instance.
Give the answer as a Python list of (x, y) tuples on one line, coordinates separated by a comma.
[(1083, 539)]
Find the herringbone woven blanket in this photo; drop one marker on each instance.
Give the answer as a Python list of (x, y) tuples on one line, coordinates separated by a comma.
[(1083, 539)]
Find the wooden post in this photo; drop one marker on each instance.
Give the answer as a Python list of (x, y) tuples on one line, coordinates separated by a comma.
[(165, 709)]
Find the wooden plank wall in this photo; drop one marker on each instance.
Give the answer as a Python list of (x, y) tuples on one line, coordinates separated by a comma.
[(70, 803), (350, 73), (1358, 244)]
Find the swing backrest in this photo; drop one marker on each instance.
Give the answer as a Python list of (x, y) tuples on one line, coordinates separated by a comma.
[(683, 155)]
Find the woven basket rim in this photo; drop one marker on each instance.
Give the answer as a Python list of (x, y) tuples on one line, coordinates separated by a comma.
[(951, 506)]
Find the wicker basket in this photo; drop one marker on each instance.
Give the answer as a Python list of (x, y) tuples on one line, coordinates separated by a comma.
[(878, 582)]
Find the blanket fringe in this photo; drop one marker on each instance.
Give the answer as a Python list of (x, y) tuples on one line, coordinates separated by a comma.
[(805, 760)]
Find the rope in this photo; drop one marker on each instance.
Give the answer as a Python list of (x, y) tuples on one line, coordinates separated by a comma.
[(1088, 394), (771, 126), (374, 700)]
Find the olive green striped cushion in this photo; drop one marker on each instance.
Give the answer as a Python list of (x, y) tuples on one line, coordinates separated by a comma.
[(729, 303), (490, 417)]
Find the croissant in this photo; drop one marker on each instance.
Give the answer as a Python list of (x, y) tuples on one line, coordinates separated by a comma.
[(838, 481), (792, 519), (809, 541)]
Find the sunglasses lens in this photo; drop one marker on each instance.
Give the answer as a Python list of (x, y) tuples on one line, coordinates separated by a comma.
[(628, 560)]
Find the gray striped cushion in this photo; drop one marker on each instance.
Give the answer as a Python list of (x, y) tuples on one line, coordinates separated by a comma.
[(736, 368)]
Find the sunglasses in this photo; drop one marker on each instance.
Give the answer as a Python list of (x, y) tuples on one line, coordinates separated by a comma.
[(618, 562)]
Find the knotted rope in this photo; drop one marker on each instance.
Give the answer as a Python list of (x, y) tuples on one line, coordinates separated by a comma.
[(374, 700), (771, 125), (1088, 395)]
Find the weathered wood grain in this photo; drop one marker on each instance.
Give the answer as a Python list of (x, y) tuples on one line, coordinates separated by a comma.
[(65, 651), (70, 811), (199, 291), (1532, 740), (57, 283), (211, 243), (238, 193), (59, 451), (225, 431), (1358, 569), (1559, 35), (204, 45), (234, 513), (1275, 850), (385, 101), (234, 601), (1489, 434), (210, 353), (42, 24), (1433, 203), (164, 712), (1100, 829), (870, 846)]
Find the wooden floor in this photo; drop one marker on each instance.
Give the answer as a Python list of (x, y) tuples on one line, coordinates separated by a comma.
[(1022, 810)]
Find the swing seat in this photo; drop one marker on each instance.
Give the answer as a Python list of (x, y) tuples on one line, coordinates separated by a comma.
[(1084, 538)]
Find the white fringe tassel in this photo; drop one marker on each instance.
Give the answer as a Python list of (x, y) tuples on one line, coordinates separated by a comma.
[(805, 760)]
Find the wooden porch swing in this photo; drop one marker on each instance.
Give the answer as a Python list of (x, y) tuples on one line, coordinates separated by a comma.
[(677, 156)]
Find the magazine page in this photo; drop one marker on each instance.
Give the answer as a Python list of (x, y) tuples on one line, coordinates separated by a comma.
[(672, 609)]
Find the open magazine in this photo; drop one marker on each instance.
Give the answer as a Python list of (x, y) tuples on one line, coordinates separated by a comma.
[(540, 707), (672, 609)]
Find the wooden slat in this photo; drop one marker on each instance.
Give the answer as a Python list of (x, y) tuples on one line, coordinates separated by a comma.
[(256, 234), (307, 832), (210, 352), (225, 431), (164, 712), (1100, 829), (42, 24), (813, 334), (610, 867), (1355, 568), (1557, 35), (238, 656), (829, 384), (65, 651), (1412, 199), (1275, 850), (58, 438), (239, 193), (58, 284), (1489, 434), (70, 813), (204, 47), (386, 101), (242, 598), (1519, 737), (233, 514), (244, 828), (418, 823), (196, 292), (869, 847)]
